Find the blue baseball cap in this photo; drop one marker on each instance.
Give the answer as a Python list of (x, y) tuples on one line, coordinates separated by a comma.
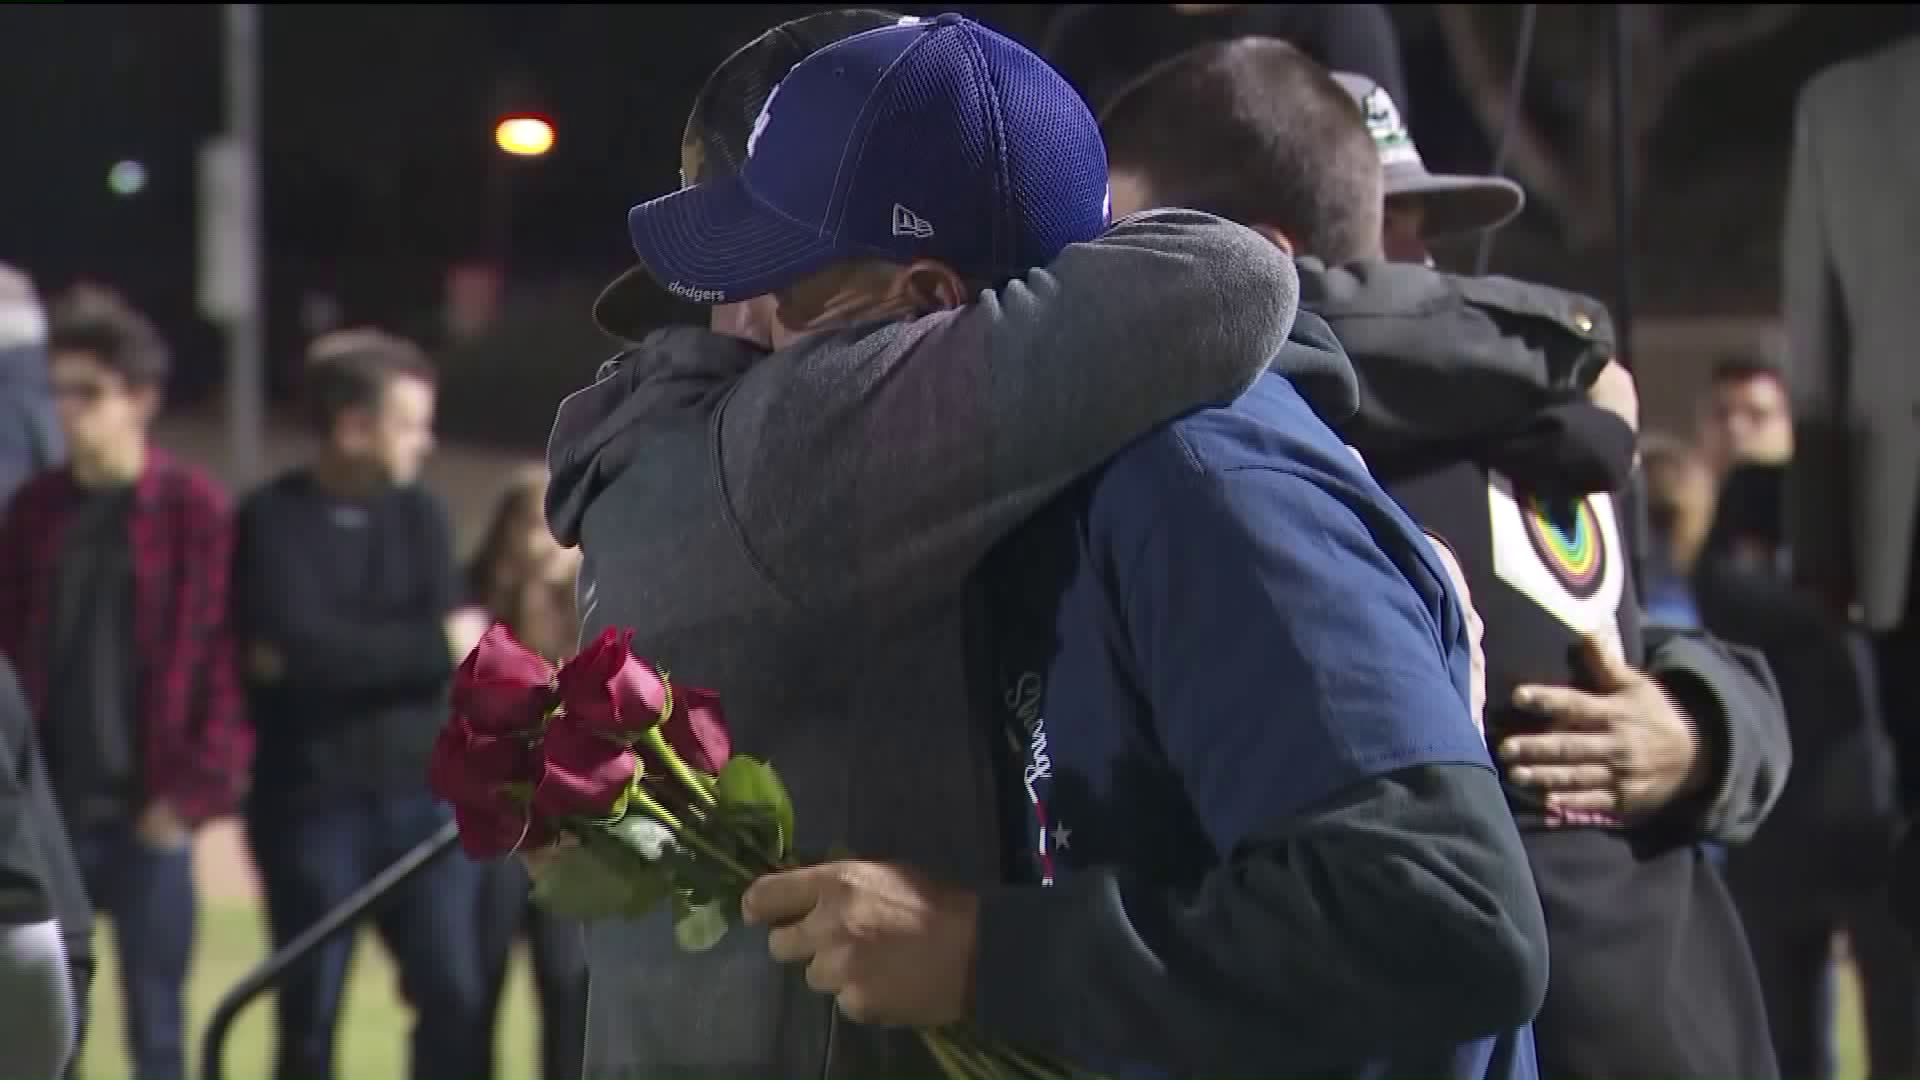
[(930, 139)]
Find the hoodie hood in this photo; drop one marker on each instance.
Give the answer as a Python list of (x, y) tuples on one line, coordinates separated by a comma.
[(1488, 368), (1317, 365), (596, 431)]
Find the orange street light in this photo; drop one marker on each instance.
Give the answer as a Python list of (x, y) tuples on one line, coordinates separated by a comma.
[(524, 136)]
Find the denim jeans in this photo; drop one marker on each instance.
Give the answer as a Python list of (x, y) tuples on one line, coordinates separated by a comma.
[(314, 856), (148, 895), (558, 949)]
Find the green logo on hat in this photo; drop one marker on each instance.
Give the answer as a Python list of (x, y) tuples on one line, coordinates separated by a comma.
[(1389, 132)]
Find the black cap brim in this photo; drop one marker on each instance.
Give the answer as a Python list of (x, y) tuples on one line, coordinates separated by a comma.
[(1461, 204), (629, 306)]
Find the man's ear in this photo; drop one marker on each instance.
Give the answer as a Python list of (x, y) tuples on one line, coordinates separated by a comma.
[(1275, 237), (933, 286)]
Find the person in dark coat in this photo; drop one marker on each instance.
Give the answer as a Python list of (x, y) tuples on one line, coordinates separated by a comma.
[(1489, 408), (1819, 863)]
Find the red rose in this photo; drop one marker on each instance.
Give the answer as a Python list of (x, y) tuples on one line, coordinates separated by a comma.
[(488, 833), (470, 769), (477, 773), (582, 773), (607, 691), (697, 730), (503, 687)]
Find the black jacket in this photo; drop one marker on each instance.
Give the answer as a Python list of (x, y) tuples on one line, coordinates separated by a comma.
[(1473, 415), (353, 596)]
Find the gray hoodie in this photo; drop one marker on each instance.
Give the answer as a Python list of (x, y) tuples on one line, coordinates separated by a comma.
[(29, 436), (794, 530)]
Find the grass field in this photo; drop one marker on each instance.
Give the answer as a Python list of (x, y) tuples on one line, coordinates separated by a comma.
[(374, 1022)]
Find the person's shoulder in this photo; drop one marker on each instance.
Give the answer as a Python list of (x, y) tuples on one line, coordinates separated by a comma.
[(187, 484), (276, 491), (1206, 463), (43, 488), (422, 502), (1839, 90)]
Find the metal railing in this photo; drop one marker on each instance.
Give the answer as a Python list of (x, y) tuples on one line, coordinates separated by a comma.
[(348, 916)]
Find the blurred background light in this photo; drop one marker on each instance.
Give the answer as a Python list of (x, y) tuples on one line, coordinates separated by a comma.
[(524, 136), (126, 178)]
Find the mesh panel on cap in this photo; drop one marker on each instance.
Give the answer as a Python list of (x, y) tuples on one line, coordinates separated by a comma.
[(1056, 164), (724, 112)]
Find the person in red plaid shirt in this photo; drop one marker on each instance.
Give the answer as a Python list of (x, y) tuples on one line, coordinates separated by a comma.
[(113, 608)]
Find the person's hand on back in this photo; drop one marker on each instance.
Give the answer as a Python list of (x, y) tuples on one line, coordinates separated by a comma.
[(1625, 749)]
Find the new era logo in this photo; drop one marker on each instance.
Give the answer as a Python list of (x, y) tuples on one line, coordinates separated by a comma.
[(908, 223)]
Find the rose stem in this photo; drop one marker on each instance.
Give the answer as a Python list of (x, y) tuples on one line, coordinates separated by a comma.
[(657, 742), (690, 837)]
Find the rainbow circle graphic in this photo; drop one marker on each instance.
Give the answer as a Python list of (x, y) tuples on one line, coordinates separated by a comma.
[(1569, 542)]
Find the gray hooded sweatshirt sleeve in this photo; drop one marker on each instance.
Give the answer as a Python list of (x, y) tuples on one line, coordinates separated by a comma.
[(794, 530)]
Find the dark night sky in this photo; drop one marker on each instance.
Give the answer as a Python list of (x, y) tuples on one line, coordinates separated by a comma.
[(378, 118), (379, 122), (379, 137)]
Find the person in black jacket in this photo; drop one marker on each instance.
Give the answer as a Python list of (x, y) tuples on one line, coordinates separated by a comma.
[(1819, 864), (46, 923), (1622, 748), (351, 616)]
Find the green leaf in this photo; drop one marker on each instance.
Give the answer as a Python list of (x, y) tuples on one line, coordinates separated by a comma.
[(753, 835), (582, 882), (698, 927), (748, 782)]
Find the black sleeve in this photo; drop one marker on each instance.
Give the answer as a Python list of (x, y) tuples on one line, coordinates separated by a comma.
[(1406, 897), (24, 898), (283, 604), (1728, 692), (447, 579)]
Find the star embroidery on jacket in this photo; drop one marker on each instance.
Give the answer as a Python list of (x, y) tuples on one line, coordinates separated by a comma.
[(1062, 837)]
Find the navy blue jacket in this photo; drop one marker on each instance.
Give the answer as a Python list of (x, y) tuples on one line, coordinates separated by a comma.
[(1274, 840)]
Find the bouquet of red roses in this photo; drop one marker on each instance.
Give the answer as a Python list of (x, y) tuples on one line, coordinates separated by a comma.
[(629, 785)]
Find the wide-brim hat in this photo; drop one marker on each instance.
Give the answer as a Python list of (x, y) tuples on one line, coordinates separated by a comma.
[(1454, 203)]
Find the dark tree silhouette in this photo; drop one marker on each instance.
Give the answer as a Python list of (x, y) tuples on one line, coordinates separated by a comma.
[(1561, 147)]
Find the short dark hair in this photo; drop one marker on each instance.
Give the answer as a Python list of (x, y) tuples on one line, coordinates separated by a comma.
[(714, 142), (349, 369), (1739, 367), (96, 321), (1254, 131)]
